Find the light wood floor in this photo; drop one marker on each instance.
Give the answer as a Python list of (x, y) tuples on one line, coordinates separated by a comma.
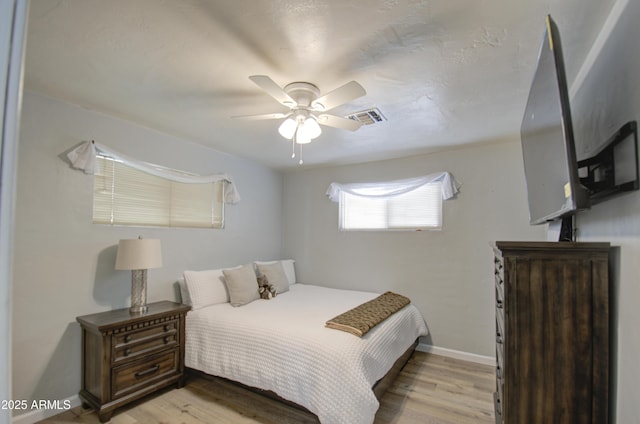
[(431, 389)]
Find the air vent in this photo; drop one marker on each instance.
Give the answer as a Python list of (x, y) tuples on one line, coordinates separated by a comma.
[(368, 117)]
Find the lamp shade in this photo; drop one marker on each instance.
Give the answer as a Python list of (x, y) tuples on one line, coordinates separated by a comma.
[(302, 136), (288, 128), (312, 128), (138, 254)]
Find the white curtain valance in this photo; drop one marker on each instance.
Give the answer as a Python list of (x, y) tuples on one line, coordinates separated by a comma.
[(394, 188), (84, 157)]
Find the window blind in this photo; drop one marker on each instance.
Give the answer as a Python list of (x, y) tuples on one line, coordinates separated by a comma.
[(420, 208), (127, 196)]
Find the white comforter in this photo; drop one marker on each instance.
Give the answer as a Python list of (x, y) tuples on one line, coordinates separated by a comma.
[(282, 345)]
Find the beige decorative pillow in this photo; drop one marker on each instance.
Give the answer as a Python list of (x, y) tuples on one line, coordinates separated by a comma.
[(242, 285), (275, 275)]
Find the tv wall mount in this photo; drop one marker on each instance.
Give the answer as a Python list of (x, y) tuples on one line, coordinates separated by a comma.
[(613, 170)]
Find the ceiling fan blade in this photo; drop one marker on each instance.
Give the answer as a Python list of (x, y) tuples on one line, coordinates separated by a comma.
[(350, 91), (263, 116), (273, 89), (338, 122)]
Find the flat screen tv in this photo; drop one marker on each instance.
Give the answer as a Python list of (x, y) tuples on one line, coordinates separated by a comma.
[(548, 147)]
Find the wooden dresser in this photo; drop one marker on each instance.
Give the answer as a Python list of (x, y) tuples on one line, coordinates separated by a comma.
[(552, 333), (125, 356)]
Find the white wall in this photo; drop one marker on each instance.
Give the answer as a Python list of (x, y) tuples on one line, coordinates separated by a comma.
[(64, 265), (609, 97), (448, 274), (12, 29)]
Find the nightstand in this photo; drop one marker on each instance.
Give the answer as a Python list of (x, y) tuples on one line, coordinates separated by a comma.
[(127, 356)]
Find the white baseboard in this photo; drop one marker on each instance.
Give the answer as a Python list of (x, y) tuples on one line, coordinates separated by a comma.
[(36, 415), (457, 354)]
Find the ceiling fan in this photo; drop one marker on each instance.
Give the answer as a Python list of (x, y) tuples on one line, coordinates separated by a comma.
[(307, 108)]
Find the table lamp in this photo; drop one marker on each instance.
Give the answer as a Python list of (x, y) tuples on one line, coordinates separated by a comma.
[(138, 255)]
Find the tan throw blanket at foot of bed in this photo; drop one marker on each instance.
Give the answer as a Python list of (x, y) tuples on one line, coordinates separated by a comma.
[(362, 318)]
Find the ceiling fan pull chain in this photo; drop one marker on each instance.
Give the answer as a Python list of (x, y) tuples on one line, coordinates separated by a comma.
[(301, 161), (293, 148)]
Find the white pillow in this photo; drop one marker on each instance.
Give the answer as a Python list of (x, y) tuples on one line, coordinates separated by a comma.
[(287, 264), (206, 288), (184, 292)]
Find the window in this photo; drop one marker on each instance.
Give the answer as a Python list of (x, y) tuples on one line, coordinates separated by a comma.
[(124, 195), (408, 204), (420, 208)]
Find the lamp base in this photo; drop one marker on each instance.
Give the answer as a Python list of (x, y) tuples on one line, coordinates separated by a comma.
[(138, 310), (138, 291)]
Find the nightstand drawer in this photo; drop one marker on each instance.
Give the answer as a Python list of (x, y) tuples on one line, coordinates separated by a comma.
[(131, 378), (131, 344)]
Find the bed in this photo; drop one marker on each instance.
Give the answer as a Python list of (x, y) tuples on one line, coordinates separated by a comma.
[(281, 345)]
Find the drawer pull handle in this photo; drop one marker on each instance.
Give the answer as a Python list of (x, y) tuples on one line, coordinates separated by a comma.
[(127, 352), (127, 338), (166, 328), (166, 339), (151, 370)]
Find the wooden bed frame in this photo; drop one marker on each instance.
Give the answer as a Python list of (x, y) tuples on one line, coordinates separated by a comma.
[(382, 385), (379, 388)]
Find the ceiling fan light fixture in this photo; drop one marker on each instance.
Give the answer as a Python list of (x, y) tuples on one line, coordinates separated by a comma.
[(307, 109), (288, 128), (302, 136), (312, 128), (308, 129)]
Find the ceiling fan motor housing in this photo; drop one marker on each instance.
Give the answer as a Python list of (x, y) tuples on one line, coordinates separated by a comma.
[(302, 92)]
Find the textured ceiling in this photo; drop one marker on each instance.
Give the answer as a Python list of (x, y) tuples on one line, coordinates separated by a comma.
[(443, 72)]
